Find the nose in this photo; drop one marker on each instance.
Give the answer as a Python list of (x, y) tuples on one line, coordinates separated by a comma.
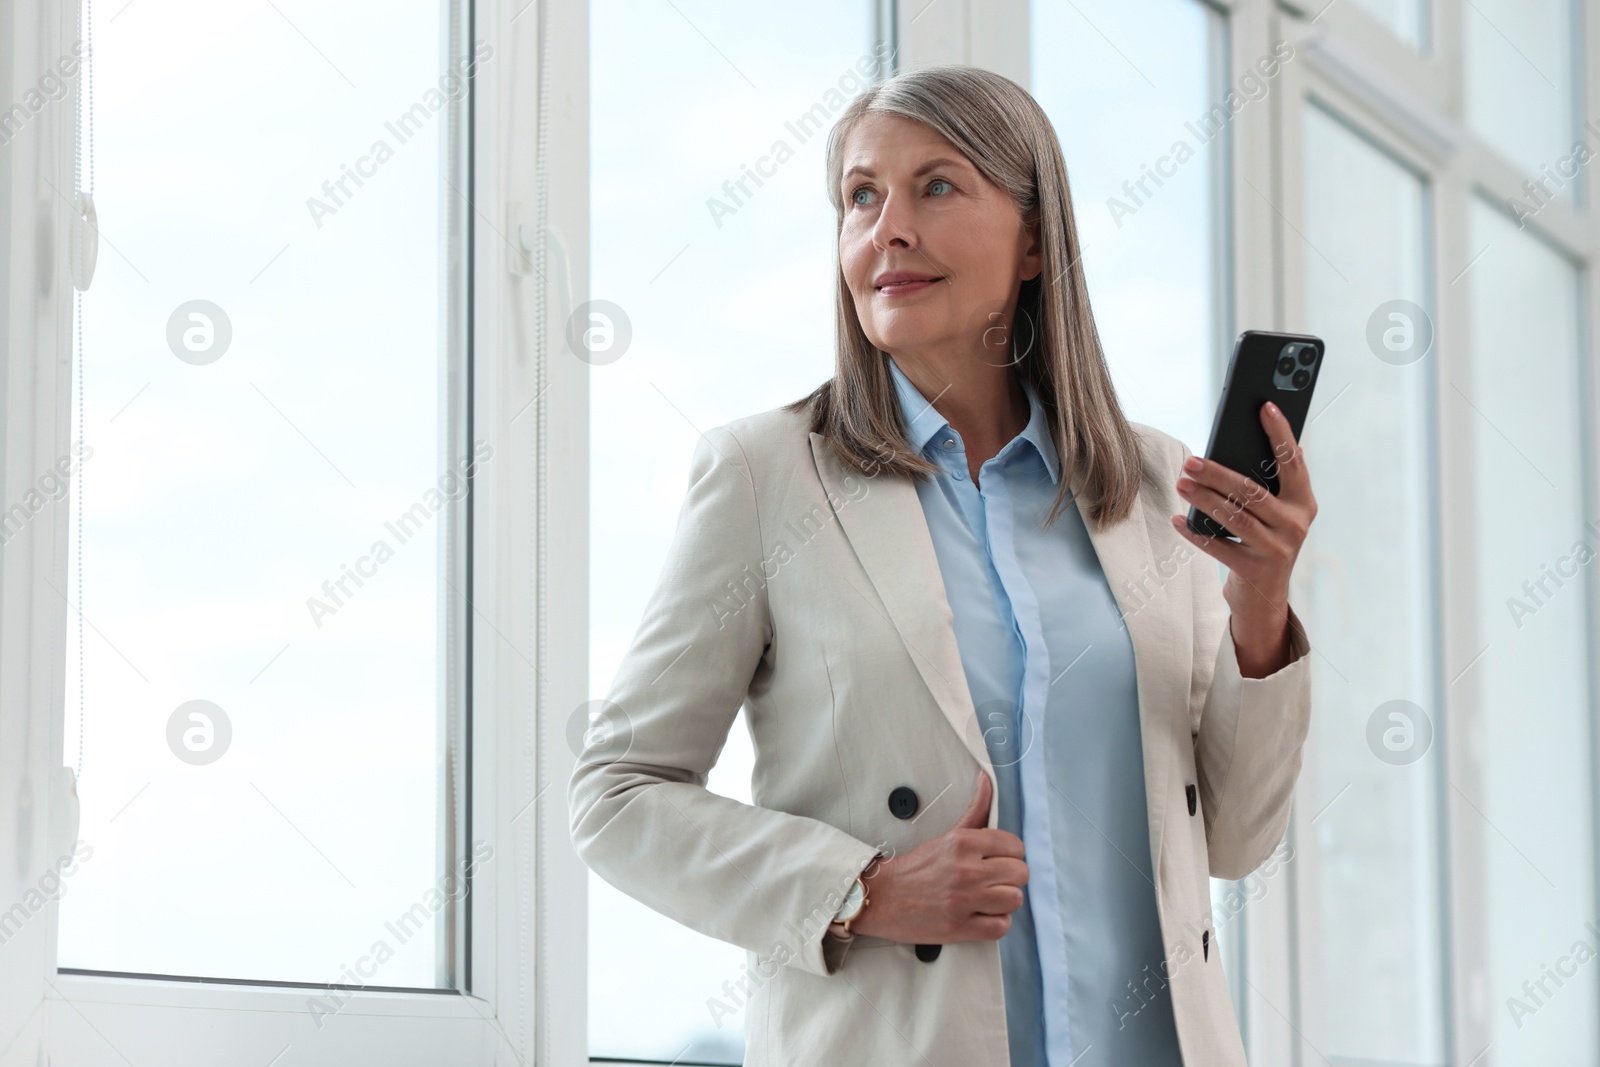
[(894, 227)]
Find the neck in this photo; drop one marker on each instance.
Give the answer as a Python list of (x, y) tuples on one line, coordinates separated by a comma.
[(981, 398)]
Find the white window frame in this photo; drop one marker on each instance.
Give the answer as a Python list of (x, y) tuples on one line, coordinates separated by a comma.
[(529, 588), (1408, 104)]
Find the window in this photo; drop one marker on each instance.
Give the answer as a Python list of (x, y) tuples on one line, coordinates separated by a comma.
[(1521, 86), (1406, 19), (1437, 880), (273, 659), (287, 395), (1369, 794), (1534, 541)]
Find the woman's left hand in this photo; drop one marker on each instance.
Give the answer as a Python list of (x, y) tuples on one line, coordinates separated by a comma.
[(1270, 529)]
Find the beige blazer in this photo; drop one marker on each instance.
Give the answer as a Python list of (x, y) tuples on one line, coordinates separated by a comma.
[(810, 594)]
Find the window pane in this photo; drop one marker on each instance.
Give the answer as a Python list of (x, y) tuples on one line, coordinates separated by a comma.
[(1536, 822), (730, 306), (1406, 19), (272, 499), (1128, 87), (1375, 916), (1520, 77)]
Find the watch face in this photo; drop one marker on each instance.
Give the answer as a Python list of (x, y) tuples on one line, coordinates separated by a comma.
[(852, 901)]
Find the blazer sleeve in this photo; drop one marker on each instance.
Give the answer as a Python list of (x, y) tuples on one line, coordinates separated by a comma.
[(640, 815), (1248, 732)]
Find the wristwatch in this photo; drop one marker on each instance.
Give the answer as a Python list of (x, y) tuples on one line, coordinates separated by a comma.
[(854, 901)]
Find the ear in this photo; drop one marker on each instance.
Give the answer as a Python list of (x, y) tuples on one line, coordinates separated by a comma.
[(1032, 263)]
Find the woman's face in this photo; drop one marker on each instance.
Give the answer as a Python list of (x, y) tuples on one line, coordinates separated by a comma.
[(915, 207)]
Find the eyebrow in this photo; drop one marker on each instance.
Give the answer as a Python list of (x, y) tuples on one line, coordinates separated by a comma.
[(942, 161)]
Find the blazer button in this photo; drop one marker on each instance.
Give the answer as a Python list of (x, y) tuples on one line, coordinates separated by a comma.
[(928, 953), (1189, 792), (1205, 944), (903, 802)]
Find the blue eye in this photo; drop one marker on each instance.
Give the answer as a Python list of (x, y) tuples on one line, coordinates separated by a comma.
[(855, 197)]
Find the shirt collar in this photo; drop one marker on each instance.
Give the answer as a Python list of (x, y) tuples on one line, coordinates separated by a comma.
[(923, 421)]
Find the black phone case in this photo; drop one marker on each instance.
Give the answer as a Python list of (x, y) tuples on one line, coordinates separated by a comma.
[(1238, 440)]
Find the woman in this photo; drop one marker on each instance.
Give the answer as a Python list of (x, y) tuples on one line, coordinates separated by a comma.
[(1006, 719)]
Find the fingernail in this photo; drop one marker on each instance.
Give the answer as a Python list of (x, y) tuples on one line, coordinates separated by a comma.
[(1192, 463)]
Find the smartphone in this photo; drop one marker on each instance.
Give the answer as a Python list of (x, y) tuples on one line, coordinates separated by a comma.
[(1280, 367)]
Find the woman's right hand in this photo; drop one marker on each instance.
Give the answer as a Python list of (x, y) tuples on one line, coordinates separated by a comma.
[(960, 886)]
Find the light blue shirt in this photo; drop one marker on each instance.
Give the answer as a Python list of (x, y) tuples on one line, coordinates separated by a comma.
[(1050, 666)]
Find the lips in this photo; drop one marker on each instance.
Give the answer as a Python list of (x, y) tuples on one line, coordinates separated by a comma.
[(903, 280)]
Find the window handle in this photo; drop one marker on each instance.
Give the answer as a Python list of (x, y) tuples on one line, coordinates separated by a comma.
[(85, 240)]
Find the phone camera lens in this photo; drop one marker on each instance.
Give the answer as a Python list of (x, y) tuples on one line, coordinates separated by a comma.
[(1308, 356), (1302, 378), (1285, 365)]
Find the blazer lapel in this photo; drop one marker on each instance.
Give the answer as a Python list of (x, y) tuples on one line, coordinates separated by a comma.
[(889, 534), (891, 539)]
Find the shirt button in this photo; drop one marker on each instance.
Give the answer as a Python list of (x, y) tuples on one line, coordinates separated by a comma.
[(960, 476), (949, 442)]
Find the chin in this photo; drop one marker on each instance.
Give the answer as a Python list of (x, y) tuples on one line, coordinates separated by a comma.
[(905, 340)]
